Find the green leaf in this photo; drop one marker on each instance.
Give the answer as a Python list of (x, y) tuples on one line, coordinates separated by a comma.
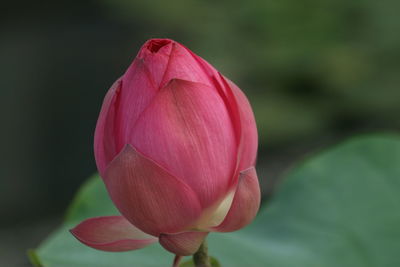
[(339, 208), (190, 263)]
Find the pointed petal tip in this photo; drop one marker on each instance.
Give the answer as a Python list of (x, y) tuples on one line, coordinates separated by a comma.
[(111, 233)]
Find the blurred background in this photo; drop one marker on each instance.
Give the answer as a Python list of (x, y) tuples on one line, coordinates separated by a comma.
[(315, 72)]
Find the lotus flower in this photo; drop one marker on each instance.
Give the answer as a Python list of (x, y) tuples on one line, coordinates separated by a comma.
[(175, 145)]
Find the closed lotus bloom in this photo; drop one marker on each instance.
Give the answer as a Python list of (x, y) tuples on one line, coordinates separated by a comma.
[(175, 145)]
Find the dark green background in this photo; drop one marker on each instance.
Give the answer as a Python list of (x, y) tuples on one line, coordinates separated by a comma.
[(315, 71)]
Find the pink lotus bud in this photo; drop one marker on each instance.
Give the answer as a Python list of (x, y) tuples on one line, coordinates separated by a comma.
[(175, 144)]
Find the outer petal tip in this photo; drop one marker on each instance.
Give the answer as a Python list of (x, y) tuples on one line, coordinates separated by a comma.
[(183, 244), (246, 203), (111, 233)]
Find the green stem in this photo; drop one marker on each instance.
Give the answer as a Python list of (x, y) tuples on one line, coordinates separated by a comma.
[(201, 258)]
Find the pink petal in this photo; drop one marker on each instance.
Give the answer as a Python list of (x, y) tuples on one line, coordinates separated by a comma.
[(182, 66), (249, 138), (211, 73), (216, 80), (155, 55), (104, 146), (188, 131), (122, 105), (167, 60), (240, 112), (137, 91), (149, 196), (245, 205), (111, 233), (183, 244), (158, 61)]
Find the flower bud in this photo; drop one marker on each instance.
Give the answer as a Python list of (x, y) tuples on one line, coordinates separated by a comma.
[(175, 144)]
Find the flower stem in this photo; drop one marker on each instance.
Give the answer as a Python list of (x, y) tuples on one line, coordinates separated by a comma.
[(201, 258), (177, 260)]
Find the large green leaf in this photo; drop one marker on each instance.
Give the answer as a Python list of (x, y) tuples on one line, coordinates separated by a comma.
[(339, 208)]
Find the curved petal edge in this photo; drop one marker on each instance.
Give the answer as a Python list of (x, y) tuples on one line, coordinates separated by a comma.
[(111, 233), (104, 146), (183, 244), (245, 205), (249, 136)]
